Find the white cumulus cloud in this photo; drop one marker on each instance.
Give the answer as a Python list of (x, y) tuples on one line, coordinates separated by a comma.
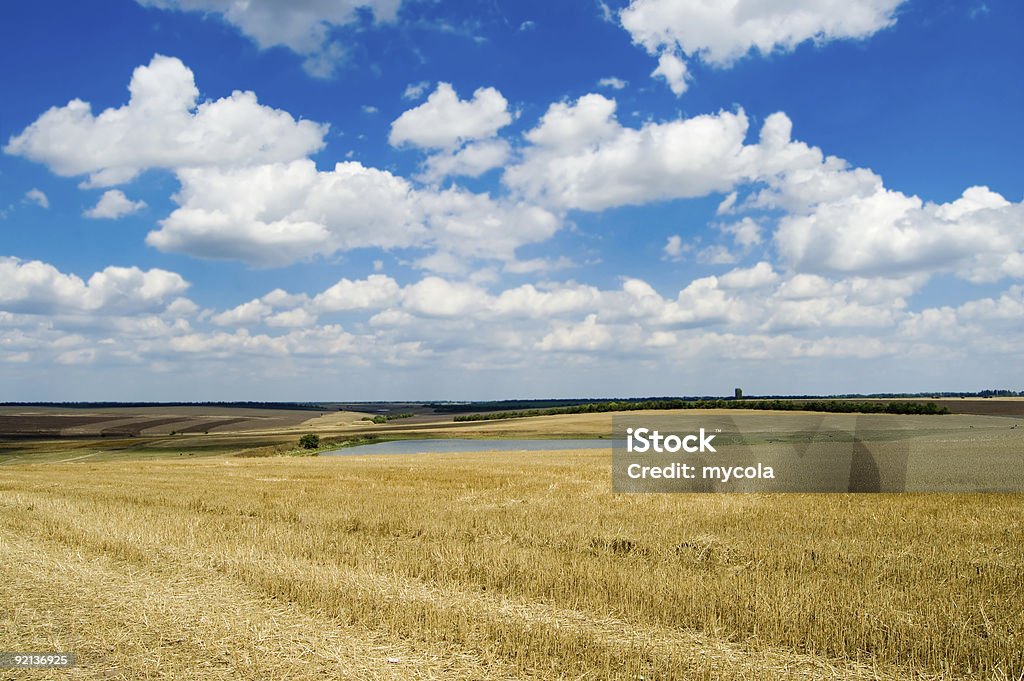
[(38, 197), (245, 314), (374, 292), (445, 121), (282, 213), (613, 83), (978, 236), (162, 126), (113, 205), (472, 160), (35, 287), (414, 91), (580, 156), (758, 276), (588, 335), (674, 71), (721, 32), (675, 248)]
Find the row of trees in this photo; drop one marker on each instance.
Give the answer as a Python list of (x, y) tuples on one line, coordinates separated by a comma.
[(831, 406), (382, 418)]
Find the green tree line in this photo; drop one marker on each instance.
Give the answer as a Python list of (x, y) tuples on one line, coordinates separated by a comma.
[(831, 406)]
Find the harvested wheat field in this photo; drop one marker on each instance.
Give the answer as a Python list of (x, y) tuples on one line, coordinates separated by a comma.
[(495, 566)]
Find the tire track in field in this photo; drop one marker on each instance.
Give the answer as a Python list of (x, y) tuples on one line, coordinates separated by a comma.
[(75, 458)]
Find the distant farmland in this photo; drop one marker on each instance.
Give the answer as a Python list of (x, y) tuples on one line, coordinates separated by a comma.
[(989, 407), (57, 433), (27, 422)]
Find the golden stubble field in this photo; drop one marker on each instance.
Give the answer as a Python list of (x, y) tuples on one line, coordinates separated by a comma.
[(500, 565)]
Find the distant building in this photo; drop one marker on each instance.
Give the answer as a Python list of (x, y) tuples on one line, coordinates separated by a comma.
[(739, 393)]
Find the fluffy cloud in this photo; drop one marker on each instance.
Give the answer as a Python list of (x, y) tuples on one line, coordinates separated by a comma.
[(798, 177), (808, 301), (842, 220), (414, 91), (113, 205), (588, 335), (163, 127), (613, 83), (374, 292), (704, 301), (675, 248), (534, 265), (468, 225), (298, 318), (674, 71), (746, 233), (837, 220), (758, 276), (719, 33), (580, 156), (281, 213), (253, 312), (444, 121), (984, 327), (472, 160), (436, 297), (717, 255), (34, 287), (977, 236), (1009, 308), (752, 313), (747, 300), (304, 27), (819, 313), (38, 197), (529, 301)]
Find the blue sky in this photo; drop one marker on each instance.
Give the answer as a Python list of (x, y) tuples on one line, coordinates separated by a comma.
[(435, 200)]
